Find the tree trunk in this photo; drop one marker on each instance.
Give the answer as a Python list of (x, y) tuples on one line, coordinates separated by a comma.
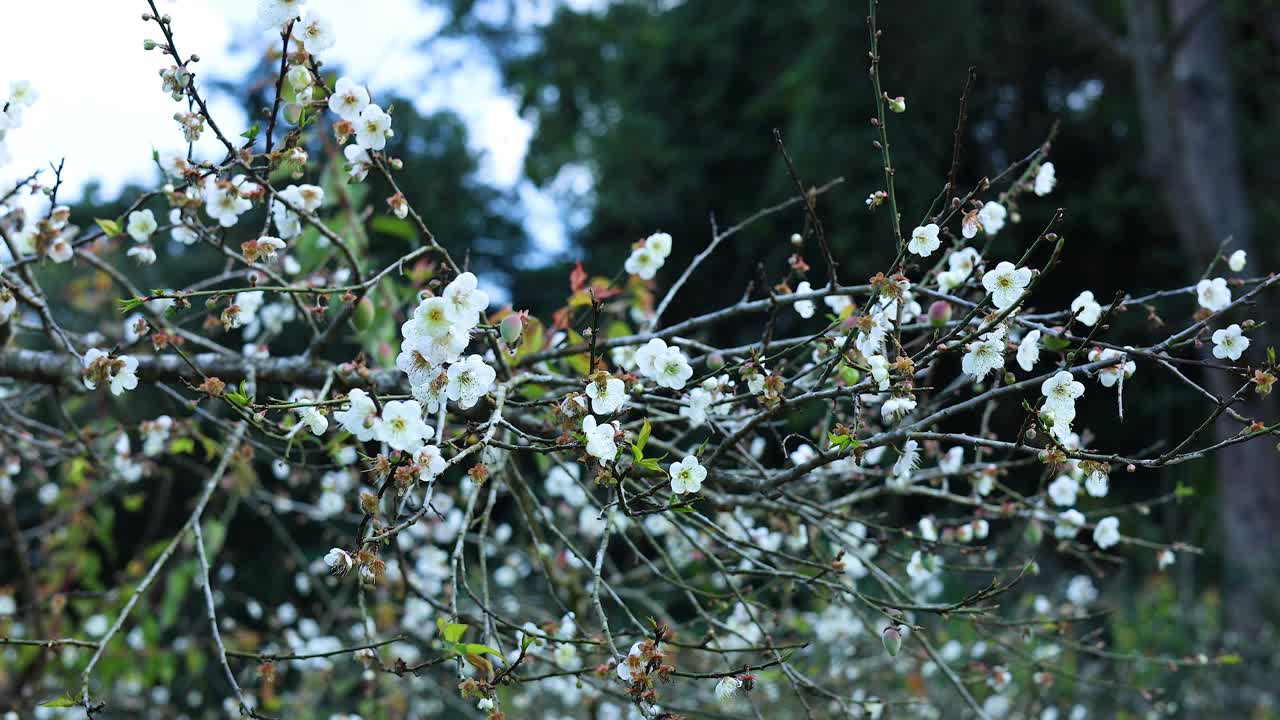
[(1183, 81)]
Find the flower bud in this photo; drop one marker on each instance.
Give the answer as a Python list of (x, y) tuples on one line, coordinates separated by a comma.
[(1034, 533), (796, 240), (892, 637), (939, 313), (362, 316), (148, 45), (898, 104), (715, 361), (510, 329)]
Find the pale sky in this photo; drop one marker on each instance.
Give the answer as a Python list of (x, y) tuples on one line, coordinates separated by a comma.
[(101, 106)]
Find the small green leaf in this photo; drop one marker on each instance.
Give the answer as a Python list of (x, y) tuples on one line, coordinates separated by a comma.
[(478, 649), (127, 305), (643, 438), (453, 632), (251, 134), (1184, 491), (110, 227), (1229, 659), (182, 446), (67, 701), (393, 226)]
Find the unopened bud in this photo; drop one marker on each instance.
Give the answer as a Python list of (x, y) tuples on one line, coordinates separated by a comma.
[(796, 240), (939, 313), (148, 45), (715, 361), (510, 329), (898, 104), (892, 637), (362, 316)]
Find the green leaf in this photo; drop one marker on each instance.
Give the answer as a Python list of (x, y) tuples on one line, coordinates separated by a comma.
[(1229, 659), (643, 438), (477, 649), (1183, 491), (650, 464), (67, 701), (453, 632), (182, 446), (127, 305), (251, 134), (110, 227), (393, 226), (1055, 343)]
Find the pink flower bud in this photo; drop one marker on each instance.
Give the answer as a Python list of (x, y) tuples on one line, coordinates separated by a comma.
[(510, 328), (939, 313)]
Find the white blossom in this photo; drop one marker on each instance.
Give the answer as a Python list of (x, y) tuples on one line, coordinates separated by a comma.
[(316, 33), (687, 475), (907, 461), (372, 127), (464, 301), (1086, 309), (644, 262), (924, 240), (985, 355), (804, 308), (360, 418), (338, 560), (469, 380), (879, 366), (1006, 283), (1029, 350), (1045, 179), (671, 368), (1080, 591), (992, 216), (600, 442), (659, 243), (121, 371), (1229, 343), (348, 99), (275, 13), (1063, 491), (1068, 525), (401, 426), (1062, 389), (895, 408), (1213, 295), (727, 688), (141, 224), (1107, 532), (1097, 483), (1238, 260), (608, 395)]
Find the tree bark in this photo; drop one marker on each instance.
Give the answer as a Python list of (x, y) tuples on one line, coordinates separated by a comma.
[(1178, 53), (1186, 100)]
